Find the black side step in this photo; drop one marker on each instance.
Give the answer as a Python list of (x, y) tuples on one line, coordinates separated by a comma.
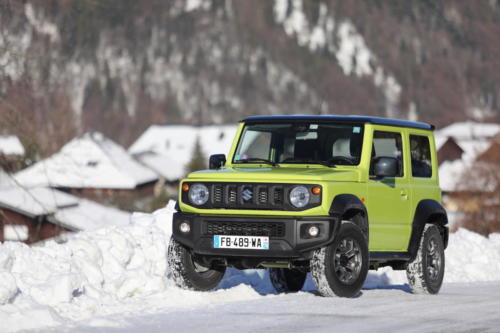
[(384, 256)]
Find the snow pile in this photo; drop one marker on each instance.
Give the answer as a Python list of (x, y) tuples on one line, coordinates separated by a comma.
[(124, 269), (91, 269)]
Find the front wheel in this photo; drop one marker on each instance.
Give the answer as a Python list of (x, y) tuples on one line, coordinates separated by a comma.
[(187, 273), (286, 280), (340, 268), (425, 273)]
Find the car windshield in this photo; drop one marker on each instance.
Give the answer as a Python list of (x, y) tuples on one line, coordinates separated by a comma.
[(328, 144)]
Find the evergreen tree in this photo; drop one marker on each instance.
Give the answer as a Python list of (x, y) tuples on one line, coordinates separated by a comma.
[(198, 158)]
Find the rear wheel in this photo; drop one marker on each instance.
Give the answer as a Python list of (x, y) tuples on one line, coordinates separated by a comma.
[(425, 273), (286, 280), (187, 273), (340, 269)]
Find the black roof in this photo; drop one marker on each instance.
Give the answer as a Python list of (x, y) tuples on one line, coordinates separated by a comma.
[(344, 119)]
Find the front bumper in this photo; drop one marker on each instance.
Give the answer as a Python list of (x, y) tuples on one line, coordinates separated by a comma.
[(291, 243)]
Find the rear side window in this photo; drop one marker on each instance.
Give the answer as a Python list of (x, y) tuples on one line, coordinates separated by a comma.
[(421, 165), (387, 144)]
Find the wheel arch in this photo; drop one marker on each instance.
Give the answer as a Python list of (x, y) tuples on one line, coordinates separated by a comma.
[(428, 211), (350, 207)]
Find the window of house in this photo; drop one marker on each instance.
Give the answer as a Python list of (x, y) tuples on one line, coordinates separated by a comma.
[(387, 144), (421, 165)]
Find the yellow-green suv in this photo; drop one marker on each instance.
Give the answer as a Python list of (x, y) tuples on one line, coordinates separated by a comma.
[(330, 195)]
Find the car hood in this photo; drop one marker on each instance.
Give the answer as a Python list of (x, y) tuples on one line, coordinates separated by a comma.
[(276, 174)]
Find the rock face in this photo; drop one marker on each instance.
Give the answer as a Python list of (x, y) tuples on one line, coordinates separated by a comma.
[(118, 65)]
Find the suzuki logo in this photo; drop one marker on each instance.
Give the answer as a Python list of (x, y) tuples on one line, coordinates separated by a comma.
[(247, 194)]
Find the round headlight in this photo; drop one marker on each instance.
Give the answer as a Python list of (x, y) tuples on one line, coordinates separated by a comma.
[(198, 194), (299, 196)]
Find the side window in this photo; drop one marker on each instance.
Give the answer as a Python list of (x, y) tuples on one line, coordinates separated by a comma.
[(421, 165), (387, 144)]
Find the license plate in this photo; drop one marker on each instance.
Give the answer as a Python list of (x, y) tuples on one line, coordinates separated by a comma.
[(241, 242)]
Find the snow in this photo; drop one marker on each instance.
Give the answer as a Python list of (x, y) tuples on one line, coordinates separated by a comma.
[(10, 145), (469, 130), (450, 173), (353, 54), (13, 232), (117, 277), (89, 215), (474, 138), (36, 201), (62, 208), (166, 166), (6, 179), (88, 161), (168, 148)]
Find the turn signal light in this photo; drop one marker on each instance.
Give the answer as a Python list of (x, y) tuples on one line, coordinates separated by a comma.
[(316, 190), (185, 187)]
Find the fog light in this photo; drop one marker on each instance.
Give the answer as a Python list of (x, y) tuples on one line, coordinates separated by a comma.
[(185, 227), (313, 231)]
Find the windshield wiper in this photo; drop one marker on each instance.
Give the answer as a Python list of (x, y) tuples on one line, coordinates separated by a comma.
[(298, 161), (255, 159)]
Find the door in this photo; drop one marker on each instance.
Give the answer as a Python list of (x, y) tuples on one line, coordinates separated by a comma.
[(388, 201)]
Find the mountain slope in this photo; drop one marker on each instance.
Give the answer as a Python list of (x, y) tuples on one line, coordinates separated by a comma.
[(117, 66)]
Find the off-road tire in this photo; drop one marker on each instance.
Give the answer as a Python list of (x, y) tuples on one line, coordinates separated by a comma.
[(425, 273), (330, 266), (187, 274), (286, 280)]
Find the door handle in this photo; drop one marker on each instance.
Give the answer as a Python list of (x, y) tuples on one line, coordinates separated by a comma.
[(404, 195)]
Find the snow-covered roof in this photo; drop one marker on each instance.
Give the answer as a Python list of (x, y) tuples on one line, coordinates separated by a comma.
[(61, 208), (6, 179), (450, 173), (168, 167), (36, 201), (10, 145), (89, 215), (469, 130), (171, 146), (88, 161), (474, 139)]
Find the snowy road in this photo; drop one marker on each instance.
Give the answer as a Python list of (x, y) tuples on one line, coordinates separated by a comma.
[(458, 308)]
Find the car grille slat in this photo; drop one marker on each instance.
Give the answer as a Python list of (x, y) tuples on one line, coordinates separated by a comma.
[(247, 196), (270, 229)]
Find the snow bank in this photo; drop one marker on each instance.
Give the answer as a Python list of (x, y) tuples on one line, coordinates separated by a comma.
[(123, 269)]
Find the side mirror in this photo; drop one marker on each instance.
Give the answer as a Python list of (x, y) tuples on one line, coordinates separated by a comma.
[(386, 167), (216, 161)]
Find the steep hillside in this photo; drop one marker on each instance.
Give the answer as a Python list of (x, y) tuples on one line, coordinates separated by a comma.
[(118, 65)]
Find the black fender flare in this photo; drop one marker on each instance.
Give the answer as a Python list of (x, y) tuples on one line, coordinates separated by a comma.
[(427, 211), (350, 207)]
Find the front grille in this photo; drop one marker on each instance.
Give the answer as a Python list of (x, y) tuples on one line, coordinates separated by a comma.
[(251, 196), (263, 196), (218, 193), (232, 194), (278, 196), (270, 229)]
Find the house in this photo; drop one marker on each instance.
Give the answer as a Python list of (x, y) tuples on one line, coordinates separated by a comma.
[(93, 166), (458, 147), (11, 152), (468, 173), (167, 149), (36, 214)]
